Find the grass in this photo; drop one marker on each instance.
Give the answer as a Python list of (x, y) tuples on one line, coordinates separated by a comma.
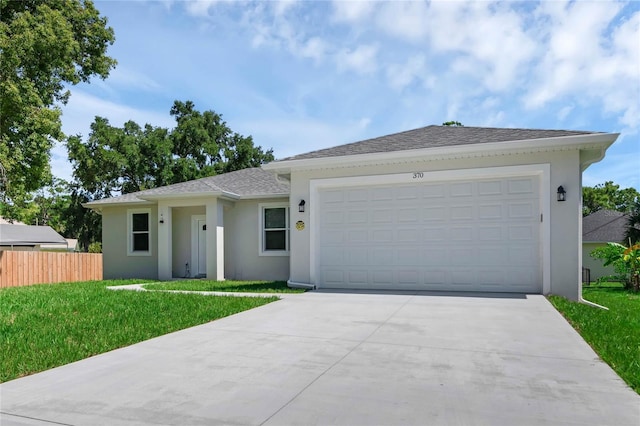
[(45, 326), (238, 286), (613, 334)]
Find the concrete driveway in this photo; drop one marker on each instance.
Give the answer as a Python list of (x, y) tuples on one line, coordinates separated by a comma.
[(343, 359)]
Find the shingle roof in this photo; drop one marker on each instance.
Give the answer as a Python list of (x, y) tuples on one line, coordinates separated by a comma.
[(604, 226), (434, 137), (28, 235), (253, 182)]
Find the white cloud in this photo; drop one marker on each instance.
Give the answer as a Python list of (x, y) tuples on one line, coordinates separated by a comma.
[(564, 112), (402, 75), (200, 7), (82, 108), (404, 19), (362, 59), (314, 48), (352, 10), (581, 59), (125, 77)]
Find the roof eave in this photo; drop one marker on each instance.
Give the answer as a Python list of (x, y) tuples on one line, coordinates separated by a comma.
[(94, 205), (602, 140)]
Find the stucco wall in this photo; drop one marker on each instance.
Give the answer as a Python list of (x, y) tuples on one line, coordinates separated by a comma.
[(116, 263), (596, 266), (564, 228), (242, 249)]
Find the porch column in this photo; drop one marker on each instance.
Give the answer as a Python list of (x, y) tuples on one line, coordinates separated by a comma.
[(215, 240), (165, 248)]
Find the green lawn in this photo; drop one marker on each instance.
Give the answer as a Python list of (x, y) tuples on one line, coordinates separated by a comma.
[(613, 334), (45, 326), (239, 286)]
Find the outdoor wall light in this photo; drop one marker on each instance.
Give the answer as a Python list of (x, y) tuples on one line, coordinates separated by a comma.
[(301, 206), (561, 193), (161, 218)]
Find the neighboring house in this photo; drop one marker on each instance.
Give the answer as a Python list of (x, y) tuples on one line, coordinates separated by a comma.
[(598, 229), (28, 238), (435, 208), (70, 244)]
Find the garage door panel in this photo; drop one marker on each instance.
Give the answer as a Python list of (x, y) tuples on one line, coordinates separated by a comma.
[(434, 234), (382, 215), (409, 235), (491, 211), (434, 214), (525, 232), (358, 217), (461, 212), (433, 191), (464, 189), (521, 186), (462, 277), (490, 233), (471, 235), (490, 188)]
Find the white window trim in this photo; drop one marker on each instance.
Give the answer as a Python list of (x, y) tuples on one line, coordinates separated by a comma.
[(261, 208), (130, 251)]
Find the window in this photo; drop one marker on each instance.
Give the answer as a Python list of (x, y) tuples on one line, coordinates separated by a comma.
[(138, 228), (274, 235)]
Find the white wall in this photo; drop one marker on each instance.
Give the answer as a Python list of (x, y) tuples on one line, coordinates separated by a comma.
[(242, 250), (115, 261), (596, 266)]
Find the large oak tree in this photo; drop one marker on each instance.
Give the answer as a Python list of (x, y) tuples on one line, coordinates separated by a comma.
[(119, 160), (45, 46)]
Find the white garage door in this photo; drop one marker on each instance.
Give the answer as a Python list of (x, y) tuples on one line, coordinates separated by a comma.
[(473, 235)]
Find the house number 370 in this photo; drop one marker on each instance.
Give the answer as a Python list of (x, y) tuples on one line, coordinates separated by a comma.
[(418, 175)]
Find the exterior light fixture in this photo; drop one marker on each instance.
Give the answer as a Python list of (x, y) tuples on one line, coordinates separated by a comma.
[(301, 206), (161, 218), (562, 194)]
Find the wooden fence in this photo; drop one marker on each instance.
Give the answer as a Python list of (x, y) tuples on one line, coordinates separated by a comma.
[(19, 268)]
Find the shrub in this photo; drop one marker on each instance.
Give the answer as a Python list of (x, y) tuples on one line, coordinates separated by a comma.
[(95, 248), (625, 262)]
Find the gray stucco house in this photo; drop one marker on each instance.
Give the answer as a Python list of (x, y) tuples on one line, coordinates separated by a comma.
[(435, 208), (598, 229)]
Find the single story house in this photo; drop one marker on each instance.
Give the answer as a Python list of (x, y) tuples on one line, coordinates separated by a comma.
[(28, 237), (598, 229), (434, 208)]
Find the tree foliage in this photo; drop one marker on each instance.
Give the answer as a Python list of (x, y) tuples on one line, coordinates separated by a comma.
[(120, 160), (45, 45), (633, 225), (608, 196)]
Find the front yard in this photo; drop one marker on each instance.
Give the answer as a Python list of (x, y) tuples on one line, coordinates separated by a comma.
[(613, 334), (45, 326)]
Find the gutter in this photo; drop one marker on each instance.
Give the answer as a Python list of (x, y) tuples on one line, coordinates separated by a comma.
[(293, 284)]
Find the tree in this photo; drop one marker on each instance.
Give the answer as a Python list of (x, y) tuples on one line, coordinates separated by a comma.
[(121, 160), (608, 196), (45, 46), (453, 124), (633, 225)]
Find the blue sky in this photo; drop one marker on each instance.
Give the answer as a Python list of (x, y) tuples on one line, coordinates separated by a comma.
[(299, 76)]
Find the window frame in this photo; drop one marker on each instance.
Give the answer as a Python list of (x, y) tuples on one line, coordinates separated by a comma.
[(130, 232), (262, 231)]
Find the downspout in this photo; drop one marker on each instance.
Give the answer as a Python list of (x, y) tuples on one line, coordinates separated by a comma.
[(293, 284), (593, 305)]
